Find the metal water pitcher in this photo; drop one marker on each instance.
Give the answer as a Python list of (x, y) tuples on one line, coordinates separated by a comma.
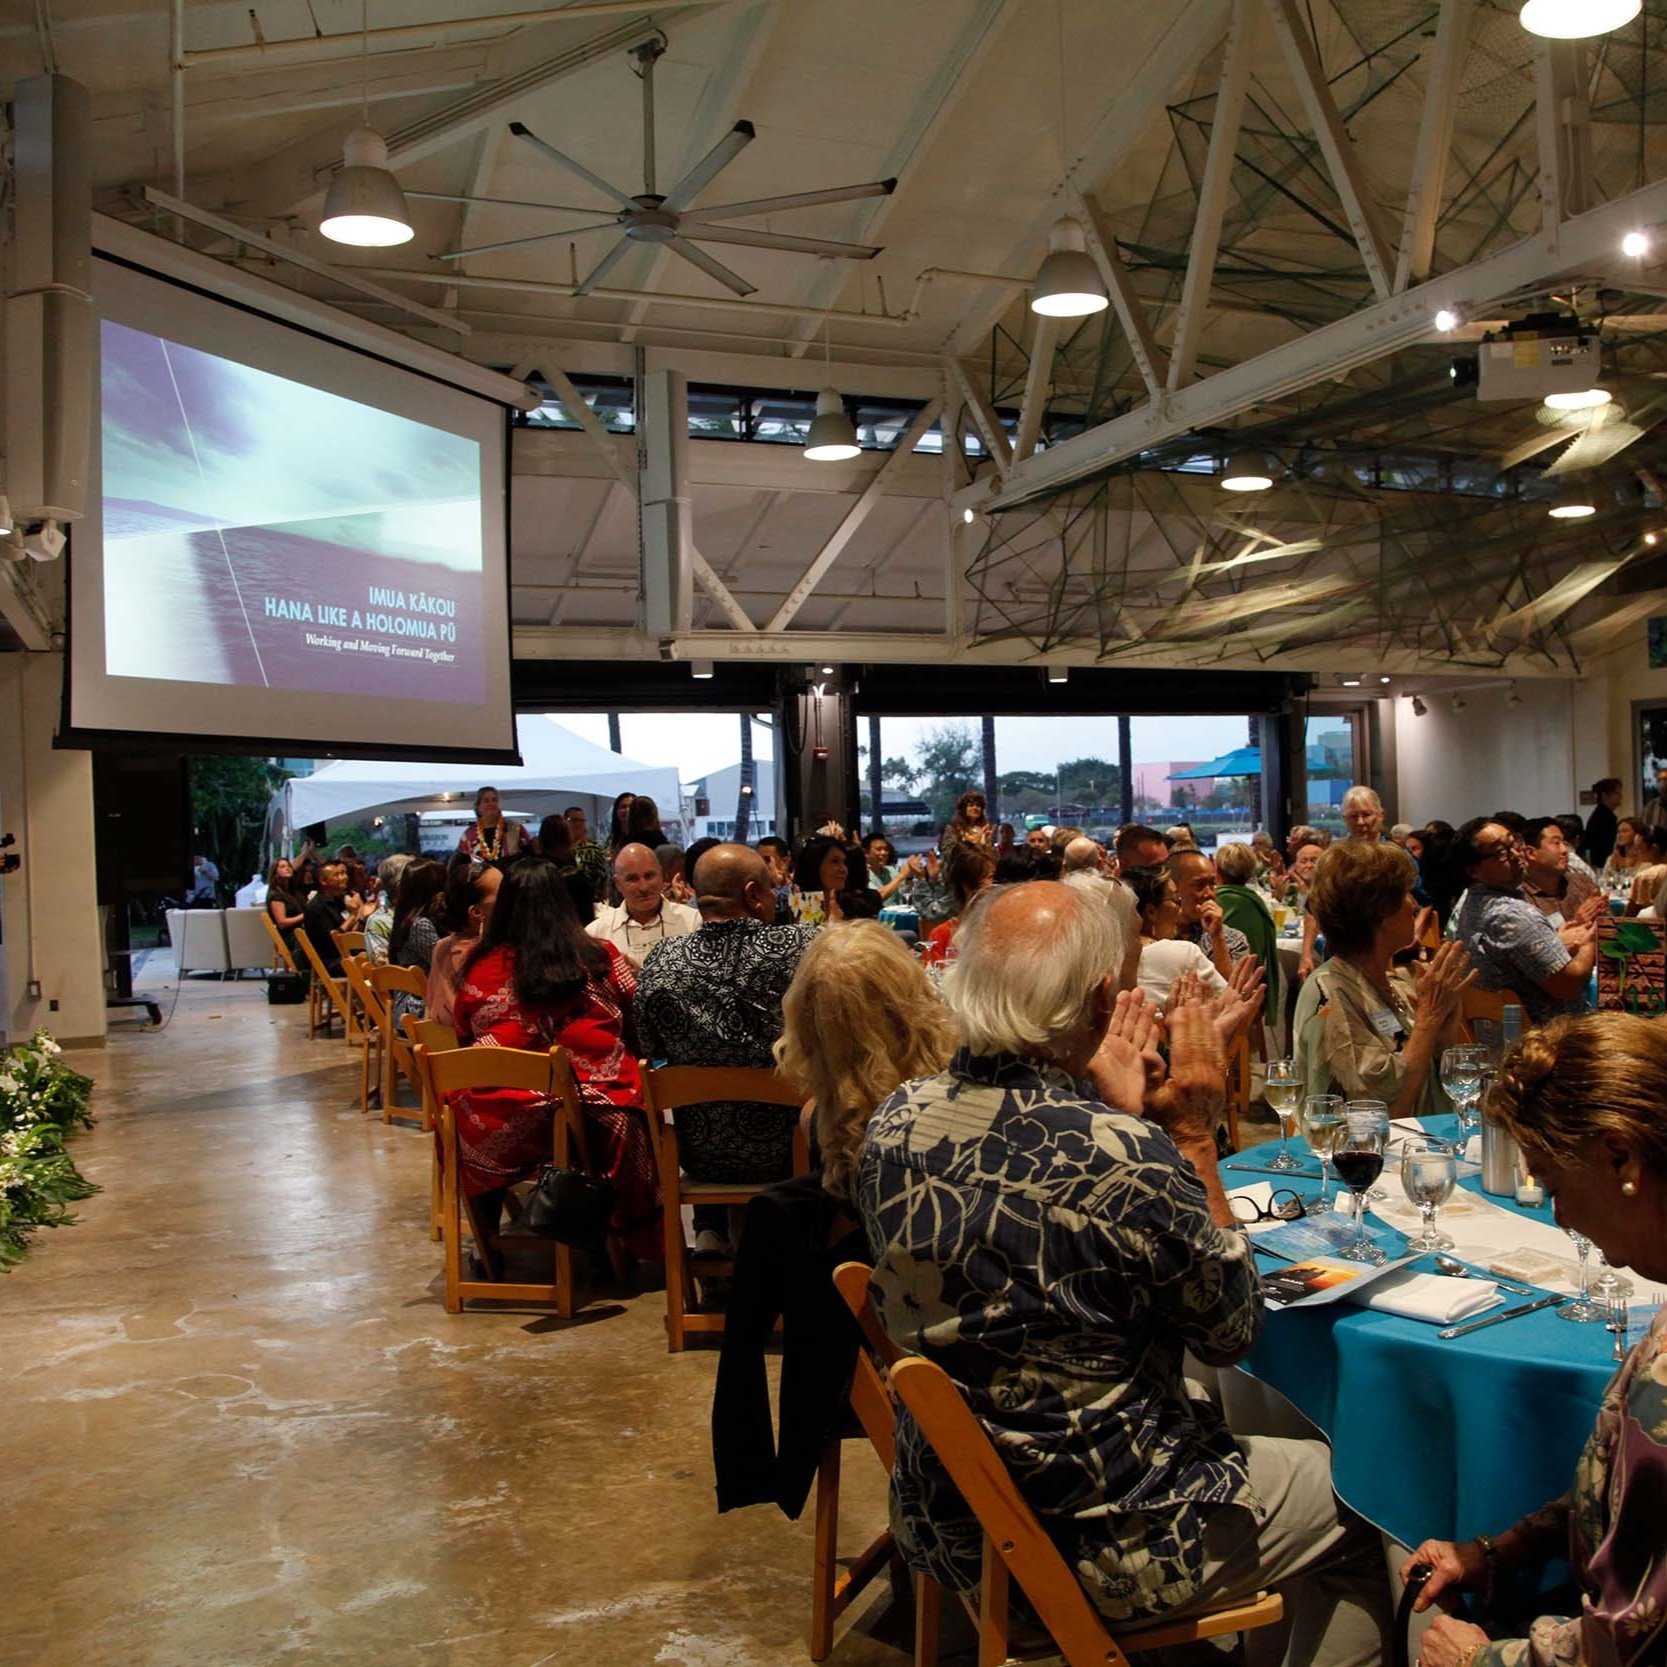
[(1499, 1148)]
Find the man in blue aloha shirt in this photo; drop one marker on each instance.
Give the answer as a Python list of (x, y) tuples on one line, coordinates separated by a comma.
[(1051, 1229)]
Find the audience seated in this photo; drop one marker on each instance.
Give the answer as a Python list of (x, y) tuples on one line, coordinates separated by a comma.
[(1363, 1027), (1244, 911), (644, 917), (619, 820), (1511, 943), (471, 890), (1649, 868), (885, 875), (1165, 956), (381, 921), (822, 872), (1560, 892), (1082, 855), (1051, 1229), (535, 980), (420, 905), (590, 857), (971, 868), (1138, 846), (1202, 921), (674, 886), (285, 901), (643, 822), (332, 908), (1624, 856), (714, 997)]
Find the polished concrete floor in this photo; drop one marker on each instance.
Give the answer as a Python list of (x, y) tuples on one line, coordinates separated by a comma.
[(240, 1428)]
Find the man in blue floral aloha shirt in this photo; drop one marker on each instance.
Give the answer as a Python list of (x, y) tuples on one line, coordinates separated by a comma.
[(1048, 1225)]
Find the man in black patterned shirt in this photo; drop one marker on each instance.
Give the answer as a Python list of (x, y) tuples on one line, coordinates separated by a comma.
[(714, 998)]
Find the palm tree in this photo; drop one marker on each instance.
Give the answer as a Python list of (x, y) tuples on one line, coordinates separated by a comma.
[(744, 797)]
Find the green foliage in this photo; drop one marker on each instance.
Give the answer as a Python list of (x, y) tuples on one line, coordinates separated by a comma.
[(229, 799), (42, 1101), (951, 762)]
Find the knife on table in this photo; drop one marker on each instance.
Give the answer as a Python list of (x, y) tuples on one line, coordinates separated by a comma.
[(1494, 1319)]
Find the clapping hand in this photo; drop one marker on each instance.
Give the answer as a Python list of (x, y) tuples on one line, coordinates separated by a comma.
[(1441, 984), (1576, 935), (1128, 1063), (1592, 910), (1187, 1102)]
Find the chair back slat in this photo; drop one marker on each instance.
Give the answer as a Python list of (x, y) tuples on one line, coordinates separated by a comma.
[(411, 981), (430, 1034), (852, 1280), (457, 1069), (357, 970), (353, 943), (672, 1086), (279, 948)]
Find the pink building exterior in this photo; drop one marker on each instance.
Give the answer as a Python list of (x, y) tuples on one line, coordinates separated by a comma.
[(1152, 781)]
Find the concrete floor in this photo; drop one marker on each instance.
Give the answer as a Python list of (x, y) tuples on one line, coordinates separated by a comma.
[(241, 1429)]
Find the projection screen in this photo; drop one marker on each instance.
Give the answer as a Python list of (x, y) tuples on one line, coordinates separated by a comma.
[(289, 543)]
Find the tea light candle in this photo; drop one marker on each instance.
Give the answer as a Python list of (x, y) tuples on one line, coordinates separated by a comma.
[(1530, 1194)]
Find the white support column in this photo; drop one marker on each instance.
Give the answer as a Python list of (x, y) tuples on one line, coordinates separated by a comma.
[(1435, 140), (1212, 195), (1038, 382), (1131, 310), (1563, 119), (853, 518), (666, 507), (952, 468), (49, 907), (1342, 159)]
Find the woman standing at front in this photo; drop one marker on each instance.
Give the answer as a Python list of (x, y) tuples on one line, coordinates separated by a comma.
[(536, 981), (968, 826), (489, 836), (1583, 1098)]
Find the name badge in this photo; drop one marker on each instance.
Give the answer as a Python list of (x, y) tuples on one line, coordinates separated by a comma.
[(1386, 1022)]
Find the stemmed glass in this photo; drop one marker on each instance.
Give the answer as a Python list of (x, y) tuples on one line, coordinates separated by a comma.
[(1377, 1111), (1429, 1171), (1284, 1094), (1322, 1120), (1609, 1285), (1358, 1159), (1461, 1078), (1581, 1307)]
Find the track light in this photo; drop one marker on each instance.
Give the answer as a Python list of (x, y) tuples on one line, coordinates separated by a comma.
[(1576, 20), (365, 207), (1447, 318), (45, 543), (1350, 682), (827, 671), (832, 439), (1572, 504), (1058, 674), (1419, 709), (700, 668), (968, 516), (1246, 471), (1068, 283), (1635, 245), (1386, 678), (1579, 399)]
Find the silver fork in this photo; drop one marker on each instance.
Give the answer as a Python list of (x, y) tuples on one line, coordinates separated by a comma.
[(1617, 1323)]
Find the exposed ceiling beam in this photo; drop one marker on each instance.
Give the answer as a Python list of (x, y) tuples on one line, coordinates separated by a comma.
[(852, 519), (984, 419), (1131, 310), (1563, 121), (1588, 246), (21, 604), (1038, 384), (1219, 161), (1435, 141), (1342, 159)]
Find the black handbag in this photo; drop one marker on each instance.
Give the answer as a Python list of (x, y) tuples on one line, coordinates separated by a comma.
[(569, 1206), (285, 989)]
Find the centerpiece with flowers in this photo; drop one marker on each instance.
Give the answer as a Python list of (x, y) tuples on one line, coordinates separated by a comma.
[(42, 1102)]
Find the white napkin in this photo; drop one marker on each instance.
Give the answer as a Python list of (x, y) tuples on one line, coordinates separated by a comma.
[(1437, 1298)]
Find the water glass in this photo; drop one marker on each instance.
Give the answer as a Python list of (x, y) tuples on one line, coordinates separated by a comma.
[(1581, 1308), (1358, 1159), (1429, 1172), (1461, 1079), (1378, 1112), (1322, 1122), (1609, 1286), (1283, 1092)]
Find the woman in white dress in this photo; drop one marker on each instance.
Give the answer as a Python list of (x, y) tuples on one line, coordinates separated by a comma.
[(1163, 955)]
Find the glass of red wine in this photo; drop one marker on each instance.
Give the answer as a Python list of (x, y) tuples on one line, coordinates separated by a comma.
[(1358, 1159)]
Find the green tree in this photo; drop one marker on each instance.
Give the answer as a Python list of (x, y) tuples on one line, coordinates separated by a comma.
[(229, 800), (950, 762)]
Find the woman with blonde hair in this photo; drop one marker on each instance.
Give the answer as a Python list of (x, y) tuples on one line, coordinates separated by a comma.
[(859, 1018), (1583, 1098)]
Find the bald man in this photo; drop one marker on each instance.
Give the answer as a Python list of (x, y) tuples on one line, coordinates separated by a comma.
[(1083, 855), (645, 918), (714, 998)]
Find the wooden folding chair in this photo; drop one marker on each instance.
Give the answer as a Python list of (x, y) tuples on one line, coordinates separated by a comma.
[(437, 1038), (372, 1016), (280, 950), (395, 1052), (326, 995), (1488, 1005), (549, 1074), (1016, 1547), (664, 1091)]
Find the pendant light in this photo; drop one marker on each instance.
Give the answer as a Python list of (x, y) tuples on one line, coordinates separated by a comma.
[(832, 438), (1579, 399), (1068, 283), (364, 206), (1246, 471), (1575, 20), (1572, 504)]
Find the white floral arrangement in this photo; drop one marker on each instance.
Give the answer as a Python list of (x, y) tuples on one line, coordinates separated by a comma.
[(42, 1102)]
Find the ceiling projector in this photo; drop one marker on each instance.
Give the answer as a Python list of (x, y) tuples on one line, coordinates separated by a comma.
[(1545, 353)]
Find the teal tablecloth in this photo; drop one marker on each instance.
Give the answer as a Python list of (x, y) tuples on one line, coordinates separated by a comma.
[(1432, 1438)]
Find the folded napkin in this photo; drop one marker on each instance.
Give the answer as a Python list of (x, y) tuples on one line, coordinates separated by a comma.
[(1437, 1298)]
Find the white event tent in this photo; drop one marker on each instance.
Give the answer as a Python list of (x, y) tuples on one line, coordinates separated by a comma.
[(559, 769)]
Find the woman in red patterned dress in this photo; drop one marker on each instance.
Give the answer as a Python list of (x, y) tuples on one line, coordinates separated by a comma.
[(536, 981)]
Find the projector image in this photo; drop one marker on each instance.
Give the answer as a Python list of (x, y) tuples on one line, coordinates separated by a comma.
[(1533, 359)]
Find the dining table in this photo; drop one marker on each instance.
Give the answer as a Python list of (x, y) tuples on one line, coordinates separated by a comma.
[(1434, 1436)]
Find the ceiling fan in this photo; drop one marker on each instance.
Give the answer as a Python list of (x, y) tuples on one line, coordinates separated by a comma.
[(667, 219)]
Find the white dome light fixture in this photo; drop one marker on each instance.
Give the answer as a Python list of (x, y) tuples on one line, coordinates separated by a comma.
[(832, 438), (1572, 504), (365, 207), (1246, 471), (1447, 318), (1576, 20), (1068, 283), (1635, 245), (1580, 399)]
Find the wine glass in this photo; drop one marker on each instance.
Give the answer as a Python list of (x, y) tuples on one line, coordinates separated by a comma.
[(1322, 1119), (1378, 1112), (1283, 1092), (1358, 1159), (1609, 1285), (1429, 1172), (1461, 1078), (1581, 1307)]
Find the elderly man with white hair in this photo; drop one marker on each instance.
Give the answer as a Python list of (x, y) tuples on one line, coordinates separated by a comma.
[(1051, 1229), (1363, 816)]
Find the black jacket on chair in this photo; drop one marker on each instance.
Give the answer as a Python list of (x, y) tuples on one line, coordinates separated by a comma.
[(795, 1235)]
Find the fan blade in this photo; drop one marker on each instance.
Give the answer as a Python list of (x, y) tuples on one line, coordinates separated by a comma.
[(496, 202), (788, 245), (604, 266), (522, 131), (709, 167), (521, 242), (712, 268), (799, 199)]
